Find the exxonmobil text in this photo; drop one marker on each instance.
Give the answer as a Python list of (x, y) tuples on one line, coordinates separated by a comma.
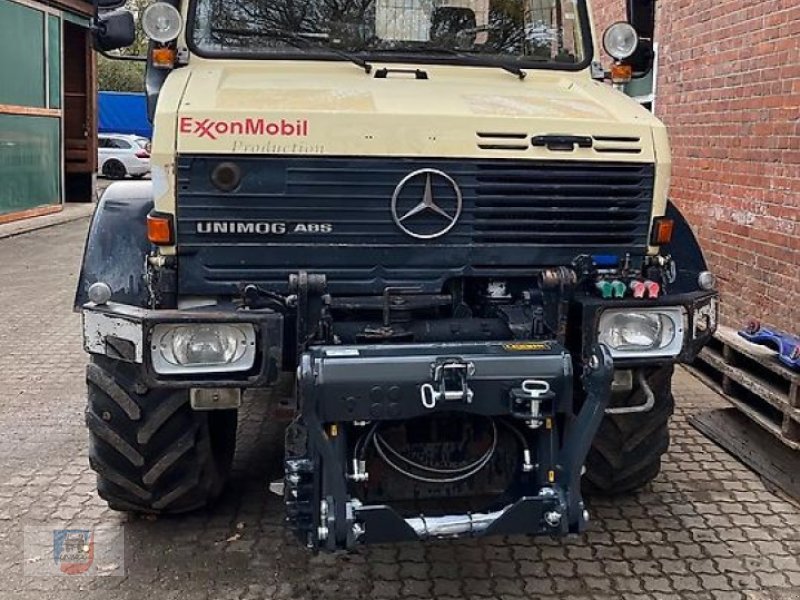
[(255, 126)]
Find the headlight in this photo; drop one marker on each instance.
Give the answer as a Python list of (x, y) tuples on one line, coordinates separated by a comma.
[(620, 40), (203, 348), (634, 333), (161, 22)]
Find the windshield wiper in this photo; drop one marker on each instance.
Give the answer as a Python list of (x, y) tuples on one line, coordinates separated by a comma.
[(297, 40), (471, 59)]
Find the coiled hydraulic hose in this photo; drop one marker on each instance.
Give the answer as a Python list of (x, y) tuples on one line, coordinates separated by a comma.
[(383, 449)]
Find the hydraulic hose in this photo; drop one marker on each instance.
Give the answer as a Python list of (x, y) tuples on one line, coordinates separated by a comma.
[(465, 472)]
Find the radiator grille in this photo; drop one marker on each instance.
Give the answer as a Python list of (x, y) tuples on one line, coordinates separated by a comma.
[(595, 204), (516, 215)]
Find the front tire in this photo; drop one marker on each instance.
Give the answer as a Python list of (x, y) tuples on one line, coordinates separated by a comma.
[(627, 450), (152, 453)]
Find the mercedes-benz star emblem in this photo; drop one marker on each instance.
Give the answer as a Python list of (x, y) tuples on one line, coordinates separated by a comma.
[(429, 217)]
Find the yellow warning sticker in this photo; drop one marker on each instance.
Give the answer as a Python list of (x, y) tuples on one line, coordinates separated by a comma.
[(527, 347)]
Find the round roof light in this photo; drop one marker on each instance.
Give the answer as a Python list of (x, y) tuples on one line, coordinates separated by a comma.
[(162, 22), (620, 40)]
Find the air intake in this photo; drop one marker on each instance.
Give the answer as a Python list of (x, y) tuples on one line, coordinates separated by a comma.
[(502, 141), (610, 144)]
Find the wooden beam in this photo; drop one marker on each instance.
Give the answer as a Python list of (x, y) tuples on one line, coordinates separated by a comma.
[(31, 212), (30, 111), (76, 6)]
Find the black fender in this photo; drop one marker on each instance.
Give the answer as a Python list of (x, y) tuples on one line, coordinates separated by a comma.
[(686, 253), (117, 245)]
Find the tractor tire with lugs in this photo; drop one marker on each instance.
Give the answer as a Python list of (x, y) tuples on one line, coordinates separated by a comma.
[(627, 450), (152, 453)]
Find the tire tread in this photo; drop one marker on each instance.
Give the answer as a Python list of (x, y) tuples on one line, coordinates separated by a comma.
[(152, 453), (627, 450)]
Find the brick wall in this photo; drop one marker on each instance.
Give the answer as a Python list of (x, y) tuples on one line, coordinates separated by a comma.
[(729, 90)]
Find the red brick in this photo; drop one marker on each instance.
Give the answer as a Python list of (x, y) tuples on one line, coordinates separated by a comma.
[(729, 91)]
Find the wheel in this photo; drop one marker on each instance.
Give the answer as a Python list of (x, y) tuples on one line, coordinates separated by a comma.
[(152, 453), (113, 169), (627, 450)]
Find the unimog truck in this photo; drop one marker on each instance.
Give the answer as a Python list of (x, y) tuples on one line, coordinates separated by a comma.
[(435, 222)]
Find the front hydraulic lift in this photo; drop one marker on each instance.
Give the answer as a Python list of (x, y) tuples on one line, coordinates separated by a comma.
[(346, 390)]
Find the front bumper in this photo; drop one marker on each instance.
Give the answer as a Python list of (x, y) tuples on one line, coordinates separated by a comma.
[(124, 332)]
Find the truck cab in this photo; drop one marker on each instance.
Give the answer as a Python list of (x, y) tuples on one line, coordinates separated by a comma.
[(441, 223)]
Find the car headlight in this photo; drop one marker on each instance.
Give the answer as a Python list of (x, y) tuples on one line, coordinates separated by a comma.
[(203, 348), (646, 332)]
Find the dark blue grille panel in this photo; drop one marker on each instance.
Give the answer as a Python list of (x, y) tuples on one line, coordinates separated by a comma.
[(516, 215)]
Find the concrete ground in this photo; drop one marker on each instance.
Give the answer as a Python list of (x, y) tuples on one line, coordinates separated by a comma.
[(707, 528)]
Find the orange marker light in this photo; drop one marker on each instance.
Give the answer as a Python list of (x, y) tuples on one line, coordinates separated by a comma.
[(163, 58), (621, 73), (662, 231), (159, 230)]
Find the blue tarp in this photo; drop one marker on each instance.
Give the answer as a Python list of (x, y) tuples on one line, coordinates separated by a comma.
[(123, 112)]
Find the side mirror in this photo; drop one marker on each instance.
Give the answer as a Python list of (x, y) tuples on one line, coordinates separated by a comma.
[(642, 16), (113, 30)]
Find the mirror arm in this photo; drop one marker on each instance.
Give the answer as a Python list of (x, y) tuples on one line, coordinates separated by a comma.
[(641, 14), (121, 56)]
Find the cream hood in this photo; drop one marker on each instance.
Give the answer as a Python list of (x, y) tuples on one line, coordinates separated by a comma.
[(334, 108)]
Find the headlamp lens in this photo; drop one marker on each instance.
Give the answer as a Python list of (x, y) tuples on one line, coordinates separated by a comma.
[(161, 22), (203, 347), (631, 333), (620, 40)]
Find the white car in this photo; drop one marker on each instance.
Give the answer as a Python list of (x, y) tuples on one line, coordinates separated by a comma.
[(121, 155)]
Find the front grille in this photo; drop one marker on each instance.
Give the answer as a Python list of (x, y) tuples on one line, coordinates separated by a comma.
[(563, 204), (516, 215)]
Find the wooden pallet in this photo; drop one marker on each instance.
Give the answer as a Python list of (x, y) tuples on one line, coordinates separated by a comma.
[(753, 380), (775, 463)]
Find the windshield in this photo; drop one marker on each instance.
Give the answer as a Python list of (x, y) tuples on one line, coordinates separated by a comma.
[(525, 32)]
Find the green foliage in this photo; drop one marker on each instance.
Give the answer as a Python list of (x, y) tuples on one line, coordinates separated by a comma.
[(120, 75), (139, 46), (125, 75)]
